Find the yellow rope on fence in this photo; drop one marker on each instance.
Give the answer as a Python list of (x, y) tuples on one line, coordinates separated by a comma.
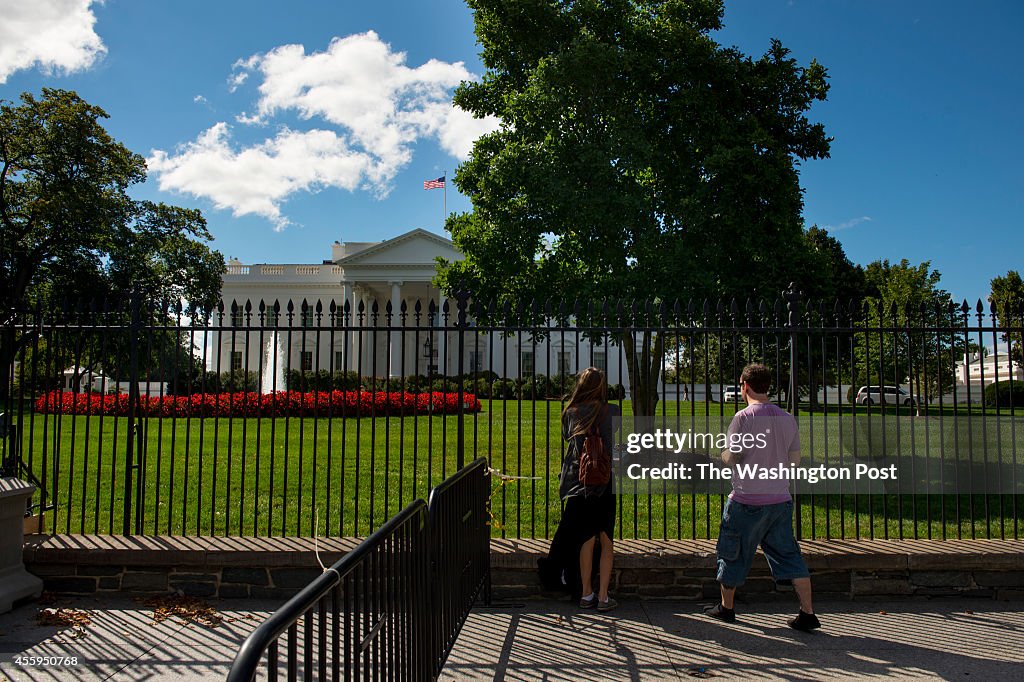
[(504, 480)]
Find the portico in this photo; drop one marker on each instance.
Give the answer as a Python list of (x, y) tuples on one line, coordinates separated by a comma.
[(358, 312), (379, 285)]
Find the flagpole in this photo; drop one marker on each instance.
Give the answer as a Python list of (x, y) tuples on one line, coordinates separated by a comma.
[(444, 218)]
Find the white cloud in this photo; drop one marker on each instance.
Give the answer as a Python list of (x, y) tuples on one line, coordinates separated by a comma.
[(372, 105), (256, 179), (57, 36), (237, 79), (199, 99), (853, 222)]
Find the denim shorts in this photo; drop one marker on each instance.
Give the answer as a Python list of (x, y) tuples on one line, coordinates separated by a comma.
[(743, 528)]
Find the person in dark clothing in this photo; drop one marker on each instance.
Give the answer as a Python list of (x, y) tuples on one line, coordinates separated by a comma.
[(589, 513)]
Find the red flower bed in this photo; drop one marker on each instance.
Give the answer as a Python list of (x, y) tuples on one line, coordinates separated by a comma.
[(280, 404)]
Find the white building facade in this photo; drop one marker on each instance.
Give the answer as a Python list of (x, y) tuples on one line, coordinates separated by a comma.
[(977, 369), (361, 274)]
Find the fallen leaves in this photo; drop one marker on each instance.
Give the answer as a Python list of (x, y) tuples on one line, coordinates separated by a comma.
[(74, 619), (189, 609)]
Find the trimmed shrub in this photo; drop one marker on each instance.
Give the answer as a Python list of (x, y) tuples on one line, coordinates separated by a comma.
[(503, 389), (1004, 394), (346, 380), (561, 385), (536, 387)]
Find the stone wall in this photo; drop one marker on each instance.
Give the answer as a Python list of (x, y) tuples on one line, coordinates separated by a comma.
[(277, 568)]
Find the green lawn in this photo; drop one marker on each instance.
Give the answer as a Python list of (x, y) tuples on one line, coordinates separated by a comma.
[(280, 477)]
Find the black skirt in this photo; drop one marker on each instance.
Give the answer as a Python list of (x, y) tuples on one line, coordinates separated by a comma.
[(588, 516), (583, 518)]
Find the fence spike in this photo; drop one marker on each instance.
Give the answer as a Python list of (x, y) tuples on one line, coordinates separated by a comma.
[(375, 307), (964, 308), (418, 307), (333, 307), (362, 306), (220, 306), (404, 307), (387, 308), (319, 307), (248, 306), (291, 306), (981, 308)]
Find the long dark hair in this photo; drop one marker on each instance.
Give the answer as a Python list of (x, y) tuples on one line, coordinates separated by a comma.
[(591, 389)]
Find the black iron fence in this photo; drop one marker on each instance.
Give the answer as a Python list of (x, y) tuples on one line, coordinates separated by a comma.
[(364, 616), (459, 525), (393, 607), (154, 418)]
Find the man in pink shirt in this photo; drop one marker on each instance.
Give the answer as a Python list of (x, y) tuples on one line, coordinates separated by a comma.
[(759, 511)]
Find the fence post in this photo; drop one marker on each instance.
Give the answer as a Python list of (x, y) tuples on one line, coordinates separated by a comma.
[(792, 297), (133, 445), (461, 300), (8, 446)]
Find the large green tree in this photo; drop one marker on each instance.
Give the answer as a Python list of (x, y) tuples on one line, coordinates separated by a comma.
[(906, 301), (1007, 300), (72, 232), (636, 158)]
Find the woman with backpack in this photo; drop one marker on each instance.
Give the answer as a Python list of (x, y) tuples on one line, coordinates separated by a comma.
[(585, 482)]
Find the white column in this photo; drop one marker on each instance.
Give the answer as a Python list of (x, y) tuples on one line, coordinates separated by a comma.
[(359, 341), (395, 338), (442, 339), (346, 342)]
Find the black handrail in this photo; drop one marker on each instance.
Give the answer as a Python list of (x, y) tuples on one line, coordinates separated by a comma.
[(359, 604)]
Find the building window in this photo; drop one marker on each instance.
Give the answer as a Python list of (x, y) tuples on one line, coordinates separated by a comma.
[(307, 360), (306, 319), (526, 366), (476, 360), (236, 360), (564, 362), (339, 360), (272, 317), (238, 318), (600, 359)]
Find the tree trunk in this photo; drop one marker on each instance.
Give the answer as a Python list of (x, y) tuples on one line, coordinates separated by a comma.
[(644, 368), (812, 384)]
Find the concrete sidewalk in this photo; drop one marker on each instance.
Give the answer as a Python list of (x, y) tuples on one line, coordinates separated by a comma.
[(549, 640), (663, 640), (123, 641)]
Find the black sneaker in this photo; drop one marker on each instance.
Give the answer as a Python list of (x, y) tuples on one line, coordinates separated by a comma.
[(721, 613), (805, 622)]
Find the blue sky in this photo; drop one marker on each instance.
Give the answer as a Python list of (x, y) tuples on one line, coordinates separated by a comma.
[(295, 124)]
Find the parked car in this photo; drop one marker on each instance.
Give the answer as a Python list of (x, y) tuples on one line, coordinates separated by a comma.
[(731, 394), (889, 395)]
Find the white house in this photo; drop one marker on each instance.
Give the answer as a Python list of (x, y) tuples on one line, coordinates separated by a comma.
[(975, 369), (397, 270)]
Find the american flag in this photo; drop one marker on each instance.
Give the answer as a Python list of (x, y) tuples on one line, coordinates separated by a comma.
[(434, 184)]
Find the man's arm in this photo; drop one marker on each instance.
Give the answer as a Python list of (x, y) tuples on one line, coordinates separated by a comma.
[(729, 457), (794, 457)]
